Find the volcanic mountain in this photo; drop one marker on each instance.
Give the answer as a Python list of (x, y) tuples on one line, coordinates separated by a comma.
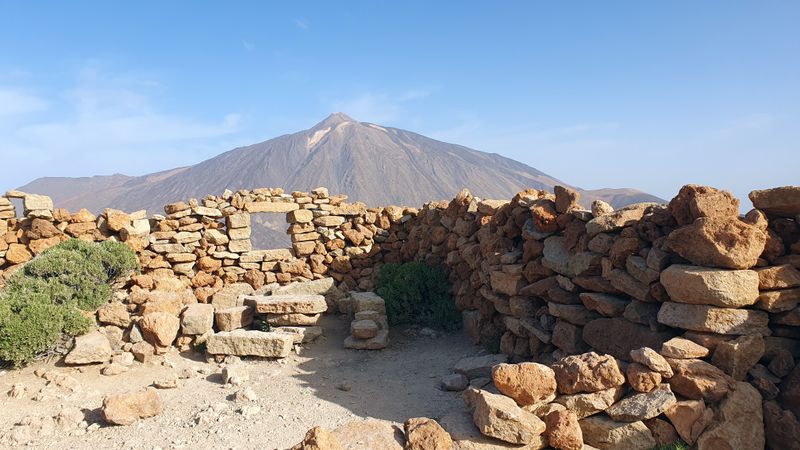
[(368, 162)]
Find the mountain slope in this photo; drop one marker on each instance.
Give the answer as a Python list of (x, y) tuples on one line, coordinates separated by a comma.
[(374, 164)]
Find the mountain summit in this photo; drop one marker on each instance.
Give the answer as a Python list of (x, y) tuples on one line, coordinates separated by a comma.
[(368, 162)]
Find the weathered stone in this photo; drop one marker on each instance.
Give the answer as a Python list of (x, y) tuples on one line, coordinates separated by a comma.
[(455, 382), (690, 418), (694, 201), (680, 348), (369, 434), (563, 431), (641, 378), (618, 336), (738, 356), (33, 202), (717, 242), (781, 201), (287, 304), (605, 304), (240, 220), (426, 434), (127, 408), (160, 328), (566, 199), (527, 383), (115, 313), (738, 423), (197, 319), (714, 320), (250, 343), (778, 277), (466, 435), (781, 300), (319, 438), (600, 207), (367, 301), (259, 207), (379, 342), (605, 434), (500, 417), (650, 358), (508, 284), (781, 427), (588, 372), (574, 314), (790, 391), (479, 366), (18, 254), (235, 374), (230, 319), (618, 219), (228, 296), (642, 406), (704, 286), (90, 348), (585, 405), (364, 329), (301, 335), (696, 380)]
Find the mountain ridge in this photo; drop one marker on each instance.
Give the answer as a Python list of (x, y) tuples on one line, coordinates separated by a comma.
[(368, 162)]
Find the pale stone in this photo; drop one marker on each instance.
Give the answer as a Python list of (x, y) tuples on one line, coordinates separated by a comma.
[(160, 328), (781, 201), (370, 434), (696, 379), (778, 277), (125, 409), (650, 358), (426, 434), (115, 313), (727, 243), (738, 423), (287, 304), (714, 287), (197, 319), (714, 320), (259, 207), (612, 221), (90, 348), (680, 348), (250, 343), (364, 329), (605, 434), (585, 405), (379, 342), (642, 406), (319, 438), (500, 417), (301, 335), (293, 319), (466, 435)]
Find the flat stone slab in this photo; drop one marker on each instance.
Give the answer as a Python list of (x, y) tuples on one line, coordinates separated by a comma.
[(281, 320), (250, 343), (479, 366), (714, 287), (377, 343), (714, 320), (301, 335), (642, 406), (287, 304)]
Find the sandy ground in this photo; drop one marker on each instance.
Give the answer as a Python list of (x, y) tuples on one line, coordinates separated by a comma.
[(324, 384)]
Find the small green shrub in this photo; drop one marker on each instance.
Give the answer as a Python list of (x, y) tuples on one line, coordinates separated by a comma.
[(49, 296), (680, 445), (416, 293)]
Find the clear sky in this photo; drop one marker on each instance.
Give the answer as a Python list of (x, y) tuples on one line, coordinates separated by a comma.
[(650, 95)]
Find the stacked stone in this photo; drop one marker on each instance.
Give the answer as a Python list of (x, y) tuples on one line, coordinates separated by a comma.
[(369, 329)]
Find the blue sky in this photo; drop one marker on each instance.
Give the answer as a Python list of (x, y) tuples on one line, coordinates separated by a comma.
[(650, 95)]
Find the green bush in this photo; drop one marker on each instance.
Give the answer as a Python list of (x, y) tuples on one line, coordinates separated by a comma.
[(680, 445), (49, 296), (416, 293)]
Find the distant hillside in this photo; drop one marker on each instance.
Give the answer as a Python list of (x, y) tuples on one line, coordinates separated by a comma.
[(370, 163)]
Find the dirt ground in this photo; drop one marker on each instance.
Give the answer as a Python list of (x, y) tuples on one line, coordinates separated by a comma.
[(324, 384)]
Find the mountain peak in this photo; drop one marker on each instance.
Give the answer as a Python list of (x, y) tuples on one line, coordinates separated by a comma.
[(333, 120)]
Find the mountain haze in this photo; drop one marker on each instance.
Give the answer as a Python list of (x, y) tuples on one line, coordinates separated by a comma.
[(370, 163)]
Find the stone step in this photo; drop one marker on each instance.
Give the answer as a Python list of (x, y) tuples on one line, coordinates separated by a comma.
[(250, 343), (376, 343), (287, 304)]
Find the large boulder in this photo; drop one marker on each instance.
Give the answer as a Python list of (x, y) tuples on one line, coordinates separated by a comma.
[(127, 408), (588, 372), (714, 320), (738, 423), (714, 287), (160, 328), (781, 201), (527, 383), (694, 201), (719, 242), (499, 417)]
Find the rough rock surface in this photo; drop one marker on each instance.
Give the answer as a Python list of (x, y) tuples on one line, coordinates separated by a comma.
[(717, 242), (527, 383), (780, 201), (642, 406), (125, 409), (563, 431), (714, 320), (319, 438), (426, 434), (738, 422), (696, 379), (499, 416), (90, 348), (603, 433), (250, 343), (714, 287), (588, 372)]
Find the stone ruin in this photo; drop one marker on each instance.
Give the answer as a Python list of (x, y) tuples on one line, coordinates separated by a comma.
[(644, 323)]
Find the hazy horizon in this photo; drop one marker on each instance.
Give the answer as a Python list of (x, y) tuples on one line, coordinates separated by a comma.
[(605, 95)]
